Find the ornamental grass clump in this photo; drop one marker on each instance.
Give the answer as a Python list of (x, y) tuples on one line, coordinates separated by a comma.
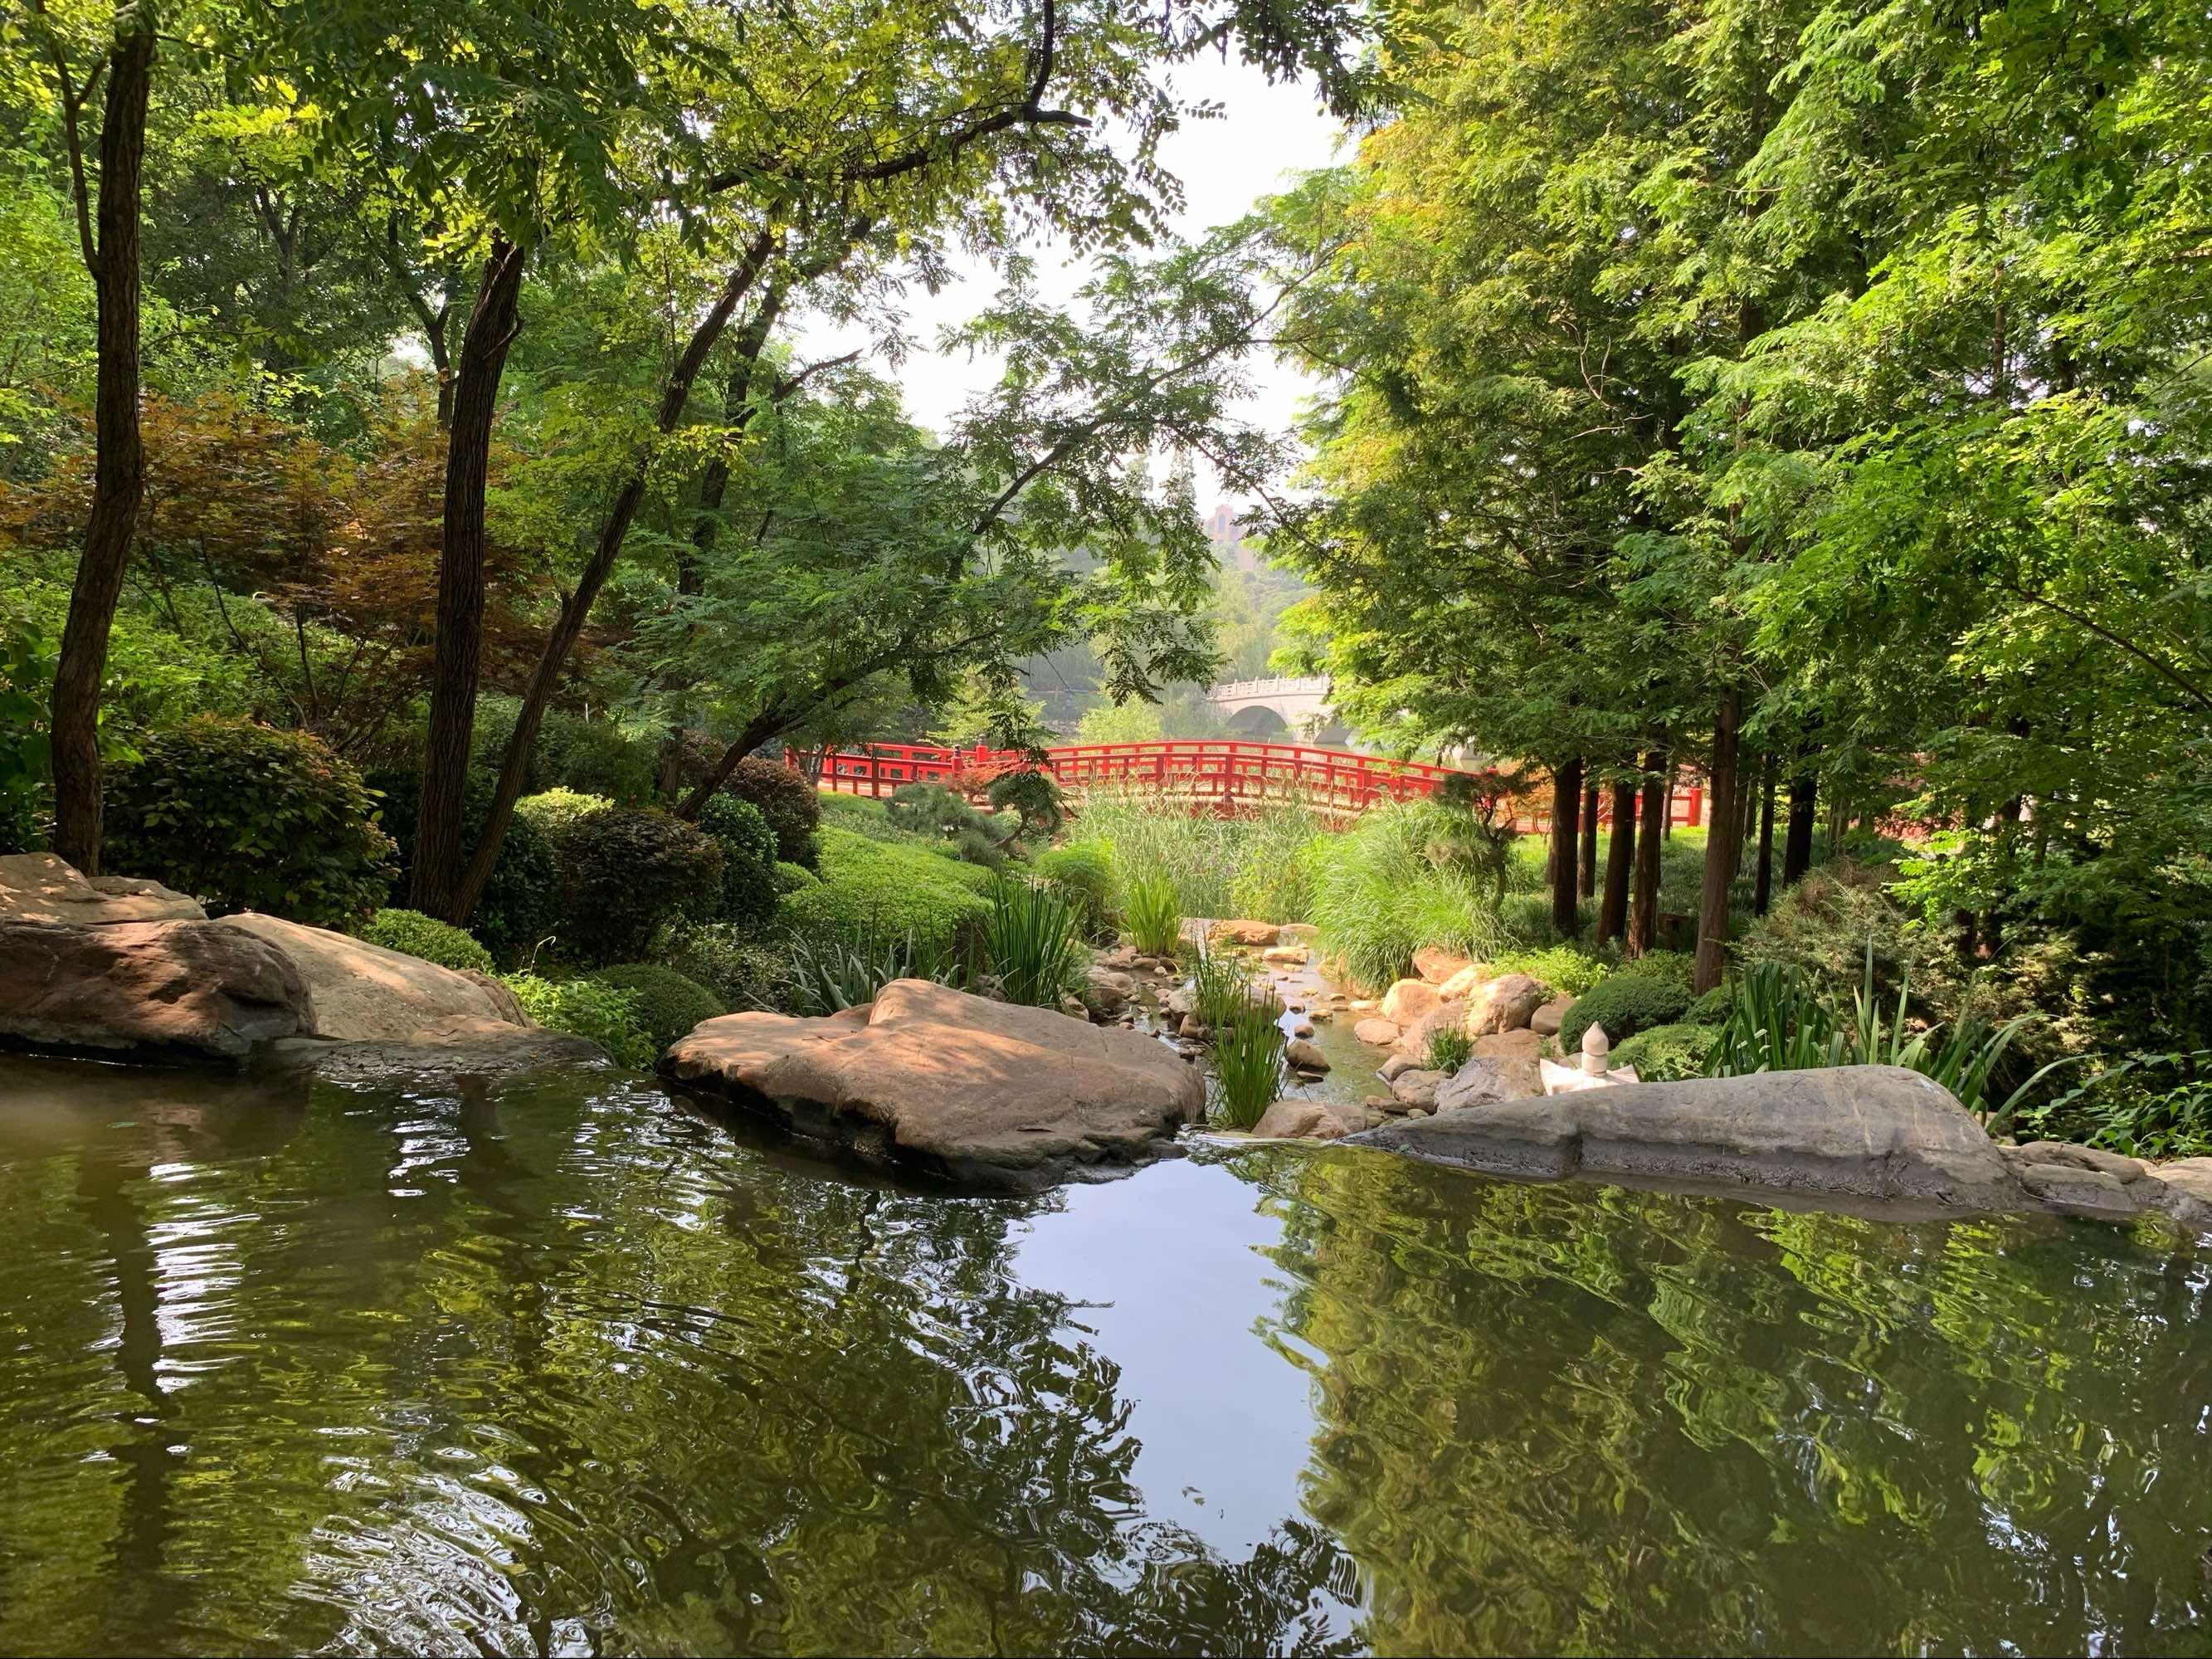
[(1032, 942), (1450, 1049), (1223, 989), (1248, 1066), (826, 973), (1150, 915)]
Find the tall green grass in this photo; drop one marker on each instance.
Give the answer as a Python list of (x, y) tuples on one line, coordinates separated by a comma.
[(1224, 988), (1031, 939), (1377, 897), (1149, 913), (1248, 1065), (1253, 866)]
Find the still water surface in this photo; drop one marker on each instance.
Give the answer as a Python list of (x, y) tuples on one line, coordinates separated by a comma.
[(572, 1368)]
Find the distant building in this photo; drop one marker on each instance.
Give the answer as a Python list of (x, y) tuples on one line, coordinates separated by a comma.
[(1224, 528)]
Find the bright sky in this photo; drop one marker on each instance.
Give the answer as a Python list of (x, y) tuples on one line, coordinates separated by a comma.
[(1264, 134)]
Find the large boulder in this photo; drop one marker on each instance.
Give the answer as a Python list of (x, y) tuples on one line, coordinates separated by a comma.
[(985, 1094), (362, 992), (1311, 1120), (1252, 935), (1863, 1133), (1487, 1079), (1379, 1033), (129, 967), (40, 887), (1505, 1004), (1438, 965), (1408, 999), (156, 990)]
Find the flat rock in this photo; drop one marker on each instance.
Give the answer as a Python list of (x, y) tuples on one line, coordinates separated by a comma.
[(1505, 1004), (1546, 1020), (1251, 935), (1408, 999), (2184, 1191), (1438, 965), (40, 887), (1863, 1133), (1382, 1033), (1286, 956), (1304, 1056), (1486, 1081), (1311, 1120), (362, 992), (987, 1094)]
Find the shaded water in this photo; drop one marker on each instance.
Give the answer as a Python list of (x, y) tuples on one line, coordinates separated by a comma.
[(571, 1368)]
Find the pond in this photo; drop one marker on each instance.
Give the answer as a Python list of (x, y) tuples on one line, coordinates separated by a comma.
[(571, 1368)]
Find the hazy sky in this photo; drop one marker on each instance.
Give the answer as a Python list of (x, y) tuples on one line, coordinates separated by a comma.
[(1263, 135)]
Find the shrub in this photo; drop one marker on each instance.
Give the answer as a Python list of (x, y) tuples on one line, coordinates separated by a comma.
[(2145, 1105), (557, 811), (888, 892), (785, 800), (597, 757), (1450, 1049), (249, 817), (1624, 1004), (934, 815), (1677, 968), (1082, 873), (668, 1005), (626, 873), (793, 878), (1712, 1008), (521, 901), (412, 933), (1667, 1054), (1033, 796), (1378, 898), (1568, 970), (748, 883), (1153, 918), (1030, 943), (742, 972), (585, 1008), (1248, 1066)]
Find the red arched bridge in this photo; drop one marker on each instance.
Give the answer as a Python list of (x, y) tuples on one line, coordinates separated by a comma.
[(1221, 773)]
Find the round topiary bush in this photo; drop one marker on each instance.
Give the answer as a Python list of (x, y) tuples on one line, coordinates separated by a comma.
[(522, 901), (249, 818), (749, 848), (1624, 1005), (787, 799), (625, 873), (412, 933), (1083, 874), (668, 1005)]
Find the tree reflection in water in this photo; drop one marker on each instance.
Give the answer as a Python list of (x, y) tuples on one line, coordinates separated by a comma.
[(1563, 1419), (568, 1368)]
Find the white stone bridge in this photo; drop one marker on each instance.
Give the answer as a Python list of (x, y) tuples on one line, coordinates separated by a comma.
[(1286, 705)]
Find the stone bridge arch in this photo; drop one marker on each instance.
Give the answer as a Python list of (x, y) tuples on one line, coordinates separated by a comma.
[(1286, 706)]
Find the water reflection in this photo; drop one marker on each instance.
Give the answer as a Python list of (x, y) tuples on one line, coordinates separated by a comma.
[(568, 1368)]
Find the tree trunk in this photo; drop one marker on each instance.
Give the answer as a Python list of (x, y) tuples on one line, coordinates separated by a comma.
[(1720, 847), (1763, 893), (1797, 842), (119, 467), (1643, 912), (576, 607), (1587, 882), (1620, 861), (1566, 809), (459, 642)]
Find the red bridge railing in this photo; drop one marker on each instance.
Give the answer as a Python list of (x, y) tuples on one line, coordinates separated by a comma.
[(1222, 771)]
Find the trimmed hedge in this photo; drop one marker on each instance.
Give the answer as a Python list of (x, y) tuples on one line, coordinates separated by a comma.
[(414, 934), (247, 817), (873, 886), (748, 847), (1624, 1005), (787, 799), (626, 873), (1083, 875), (669, 1005)]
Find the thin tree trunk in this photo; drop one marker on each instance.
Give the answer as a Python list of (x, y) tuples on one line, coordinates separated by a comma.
[(1720, 847), (1566, 809), (1644, 911), (459, 644), (1619, 862), (1797, 842), (1763, 892), (576, 607), (1587, 882), (119, 467)]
